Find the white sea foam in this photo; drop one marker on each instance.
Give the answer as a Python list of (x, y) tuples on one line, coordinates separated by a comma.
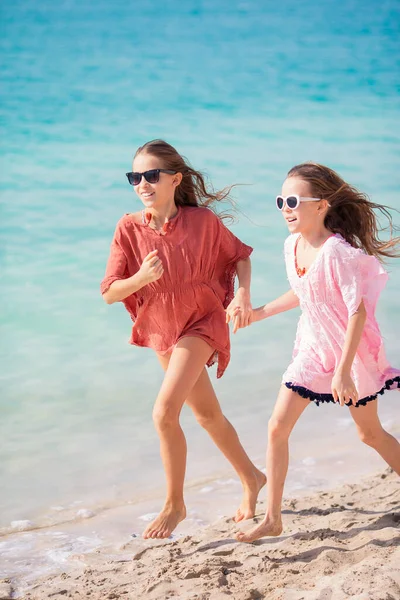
[(148, 517), (206, 489), (22, 525), (228, 482), (58, 556), (309, 461), (85, 513)]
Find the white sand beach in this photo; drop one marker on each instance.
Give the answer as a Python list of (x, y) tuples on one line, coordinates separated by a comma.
[(336, 545)]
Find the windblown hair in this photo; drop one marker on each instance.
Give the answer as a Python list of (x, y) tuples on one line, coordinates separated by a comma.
[(193, 189), (350, 212)]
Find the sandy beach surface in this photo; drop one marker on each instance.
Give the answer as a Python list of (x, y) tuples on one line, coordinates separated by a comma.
[(336, 545)]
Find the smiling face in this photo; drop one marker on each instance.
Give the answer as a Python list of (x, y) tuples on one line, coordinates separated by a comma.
[(308, 215), (155, 195)]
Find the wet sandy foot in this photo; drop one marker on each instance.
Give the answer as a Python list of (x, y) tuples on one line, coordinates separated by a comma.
[(267, 528), (165, 523), (247, 509)]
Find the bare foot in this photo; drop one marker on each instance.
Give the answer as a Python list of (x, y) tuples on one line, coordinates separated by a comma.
[(247, 509), (165, 523), (266, 528)]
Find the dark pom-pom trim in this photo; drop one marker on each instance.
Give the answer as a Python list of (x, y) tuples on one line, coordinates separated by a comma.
[(317, 398)]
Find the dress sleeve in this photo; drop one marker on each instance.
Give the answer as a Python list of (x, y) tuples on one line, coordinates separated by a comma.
[(358, 276), (116, 264), (231, 251), (288, 253)]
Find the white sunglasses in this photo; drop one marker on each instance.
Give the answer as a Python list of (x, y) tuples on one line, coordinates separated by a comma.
[(293, 201)]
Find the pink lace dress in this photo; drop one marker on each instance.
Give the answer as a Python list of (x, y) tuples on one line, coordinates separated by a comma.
[(330, 292), (199, 255)]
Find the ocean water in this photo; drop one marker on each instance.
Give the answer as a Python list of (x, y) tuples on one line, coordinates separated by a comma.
[(244, 90)]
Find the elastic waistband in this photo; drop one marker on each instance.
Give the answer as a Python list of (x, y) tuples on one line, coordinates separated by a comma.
[(146, 292)]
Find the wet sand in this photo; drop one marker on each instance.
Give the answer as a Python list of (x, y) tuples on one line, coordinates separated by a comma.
[(336, 545)]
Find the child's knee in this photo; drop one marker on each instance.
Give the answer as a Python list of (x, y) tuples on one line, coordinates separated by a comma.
[(165, 419), (277, 429), (209, 419), (370, 436)]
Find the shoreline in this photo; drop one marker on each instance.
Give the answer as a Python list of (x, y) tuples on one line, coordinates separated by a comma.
[(324, 451), (336, 544), (332, 538), (47, 547)]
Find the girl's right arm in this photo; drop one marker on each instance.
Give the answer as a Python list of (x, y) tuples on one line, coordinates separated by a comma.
[(283, 303), (150, 270)]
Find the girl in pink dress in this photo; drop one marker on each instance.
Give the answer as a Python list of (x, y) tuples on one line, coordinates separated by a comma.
[(173, 266), (332, 261)]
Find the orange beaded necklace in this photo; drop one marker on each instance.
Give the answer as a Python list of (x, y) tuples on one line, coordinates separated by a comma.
[(301, 271)]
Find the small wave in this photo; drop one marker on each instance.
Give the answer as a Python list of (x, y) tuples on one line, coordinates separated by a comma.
[(148, 517), (206, 490), (22, 525)]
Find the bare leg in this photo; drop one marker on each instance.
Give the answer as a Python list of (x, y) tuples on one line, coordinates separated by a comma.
[(186, 363), (204, 403), (287, 411), (372, 433)]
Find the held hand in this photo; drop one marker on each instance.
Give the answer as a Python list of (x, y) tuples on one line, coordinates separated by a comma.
[(152, 268), (343, 388), (240, 311)]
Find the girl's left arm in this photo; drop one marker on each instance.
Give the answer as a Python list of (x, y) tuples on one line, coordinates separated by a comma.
[(240, 309), (343, 388)]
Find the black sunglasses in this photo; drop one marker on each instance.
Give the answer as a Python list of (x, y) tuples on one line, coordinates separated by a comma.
[(152, 176)]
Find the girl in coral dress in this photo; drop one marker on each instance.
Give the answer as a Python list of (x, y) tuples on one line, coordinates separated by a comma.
[(332, 262), (173, 266)]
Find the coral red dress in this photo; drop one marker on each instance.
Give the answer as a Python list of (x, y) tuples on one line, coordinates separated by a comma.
[(199, 255)]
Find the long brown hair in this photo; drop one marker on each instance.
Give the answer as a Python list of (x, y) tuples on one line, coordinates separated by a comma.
[(193, 189), (351, 213)]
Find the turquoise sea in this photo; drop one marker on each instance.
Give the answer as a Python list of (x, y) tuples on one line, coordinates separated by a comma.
[(245, 90)]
